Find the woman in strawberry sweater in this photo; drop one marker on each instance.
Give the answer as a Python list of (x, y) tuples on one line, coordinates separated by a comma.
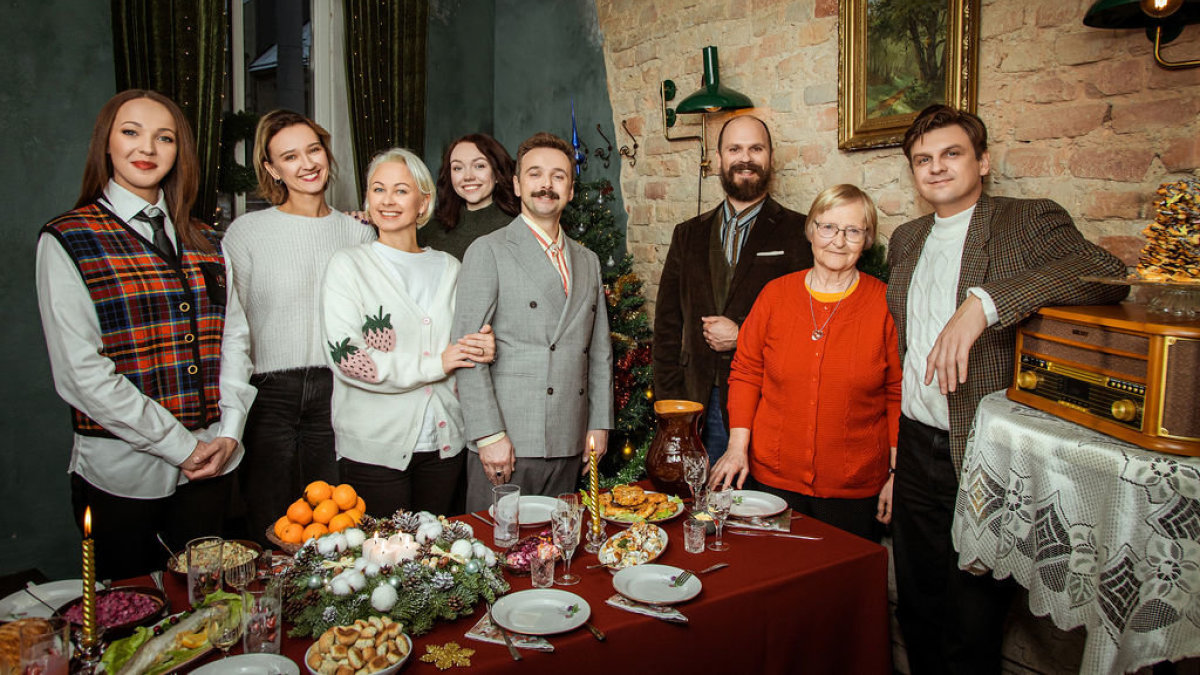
[(387, 309), (814, 393)]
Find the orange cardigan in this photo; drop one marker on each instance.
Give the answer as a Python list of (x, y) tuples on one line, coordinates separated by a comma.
[(823, 414)]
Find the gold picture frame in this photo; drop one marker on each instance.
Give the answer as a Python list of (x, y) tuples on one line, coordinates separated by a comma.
[(885, 77)]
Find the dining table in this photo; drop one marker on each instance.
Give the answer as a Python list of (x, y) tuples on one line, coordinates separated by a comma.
[(782, 605)]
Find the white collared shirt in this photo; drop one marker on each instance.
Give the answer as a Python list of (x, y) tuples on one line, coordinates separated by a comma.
[(143, 461)]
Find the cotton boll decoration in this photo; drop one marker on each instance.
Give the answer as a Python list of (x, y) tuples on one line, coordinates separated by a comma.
[(384, 598), (339, 541), (354, 537), (356, 579), (461, 549), (371, 570), (339, 586), (429, 531), (478, 550), (327, 545), (426, 517), (490, 558)]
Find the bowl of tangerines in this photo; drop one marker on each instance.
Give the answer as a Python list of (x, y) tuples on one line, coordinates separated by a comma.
[(324, 508)]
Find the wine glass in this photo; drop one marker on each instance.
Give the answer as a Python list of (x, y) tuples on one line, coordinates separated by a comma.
[(239, 575), (224, 626), (695, 472), (564, 524), (720, 499)]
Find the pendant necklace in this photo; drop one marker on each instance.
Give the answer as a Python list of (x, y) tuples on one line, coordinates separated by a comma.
[(819, 333)]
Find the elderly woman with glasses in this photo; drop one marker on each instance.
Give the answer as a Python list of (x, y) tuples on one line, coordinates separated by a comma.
[(814, 392)]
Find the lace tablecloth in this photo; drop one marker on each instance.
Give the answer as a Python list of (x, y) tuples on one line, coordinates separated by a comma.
[(1104, 534)]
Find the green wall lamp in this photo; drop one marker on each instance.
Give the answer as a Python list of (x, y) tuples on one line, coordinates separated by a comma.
[(711, 97), (1163, 20)]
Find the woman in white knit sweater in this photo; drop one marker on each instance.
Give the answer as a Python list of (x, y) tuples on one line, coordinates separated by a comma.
[(277, 257), (387, 310)]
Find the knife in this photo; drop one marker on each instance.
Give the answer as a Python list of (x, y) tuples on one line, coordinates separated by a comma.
[(599, 634), (483, 519), (757, 533), (503, 633)]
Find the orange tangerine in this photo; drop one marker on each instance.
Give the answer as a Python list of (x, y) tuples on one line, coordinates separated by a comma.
[(361, 506), (317, 492), (340, 522), (314, 530), (300, 513), (325, 511), (355, 515), (345, 496), (293, 534), (283, 522)]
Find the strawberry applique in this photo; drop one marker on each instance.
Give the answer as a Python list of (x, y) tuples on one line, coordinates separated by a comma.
[(354, 363), (378, 332)]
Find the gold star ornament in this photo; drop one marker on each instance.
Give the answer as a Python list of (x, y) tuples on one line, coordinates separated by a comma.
[(448, 655)]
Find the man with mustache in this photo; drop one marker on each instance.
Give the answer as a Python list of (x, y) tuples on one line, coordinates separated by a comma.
[(717, 264), (548, 394)]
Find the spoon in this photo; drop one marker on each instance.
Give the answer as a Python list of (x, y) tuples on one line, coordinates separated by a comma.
[(174, 558)]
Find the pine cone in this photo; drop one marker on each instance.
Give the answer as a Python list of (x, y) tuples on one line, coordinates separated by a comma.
[(407, 521), (456, 604)]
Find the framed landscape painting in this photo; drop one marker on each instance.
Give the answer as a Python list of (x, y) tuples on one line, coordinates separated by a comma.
[(898, 56)]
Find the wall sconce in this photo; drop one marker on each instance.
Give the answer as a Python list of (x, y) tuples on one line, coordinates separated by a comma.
[(711, 97), (1163, 20)]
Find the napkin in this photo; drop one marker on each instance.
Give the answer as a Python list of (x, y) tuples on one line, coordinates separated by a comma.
[(780, 522), (485, 631), (658, 612)]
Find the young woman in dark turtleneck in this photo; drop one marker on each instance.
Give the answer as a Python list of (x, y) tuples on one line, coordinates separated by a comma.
[(476, 181)]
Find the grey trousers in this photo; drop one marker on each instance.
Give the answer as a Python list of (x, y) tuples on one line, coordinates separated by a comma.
[(549, 477)]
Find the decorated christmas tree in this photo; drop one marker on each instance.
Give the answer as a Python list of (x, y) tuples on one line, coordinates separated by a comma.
[(589, 220)]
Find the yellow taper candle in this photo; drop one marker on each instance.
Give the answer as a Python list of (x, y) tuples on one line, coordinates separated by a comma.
[(89, 581), (594, 485)]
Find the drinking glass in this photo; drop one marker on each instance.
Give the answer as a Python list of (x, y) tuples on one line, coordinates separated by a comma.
[(506, 509), (695, 472), (239, 575), (541, 571), (693, 535), (45, 647), (261, 628), (719, 502), (564, 524), (204, 561), (224, 625)]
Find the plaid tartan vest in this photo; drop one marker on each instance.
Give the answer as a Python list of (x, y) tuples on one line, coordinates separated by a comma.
[(159, 325)]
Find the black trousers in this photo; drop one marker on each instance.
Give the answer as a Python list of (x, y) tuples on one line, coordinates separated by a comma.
[(952, 621), (289, 444), (430, 483), (124, 528)]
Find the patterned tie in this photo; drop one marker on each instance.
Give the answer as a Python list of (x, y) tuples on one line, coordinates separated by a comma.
[(157, 221), (560, 263)]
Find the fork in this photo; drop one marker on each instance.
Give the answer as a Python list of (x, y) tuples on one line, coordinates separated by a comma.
[(688, 574)]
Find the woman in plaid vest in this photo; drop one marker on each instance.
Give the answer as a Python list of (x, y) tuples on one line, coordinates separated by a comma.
[(137, 313)]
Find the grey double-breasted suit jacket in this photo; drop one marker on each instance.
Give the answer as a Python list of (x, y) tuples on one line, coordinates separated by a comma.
[(552, 377)]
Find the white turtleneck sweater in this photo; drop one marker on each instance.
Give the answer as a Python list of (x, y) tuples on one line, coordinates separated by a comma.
[(278, 261)]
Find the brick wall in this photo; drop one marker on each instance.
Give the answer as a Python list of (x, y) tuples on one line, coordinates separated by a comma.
[(1077, 114)]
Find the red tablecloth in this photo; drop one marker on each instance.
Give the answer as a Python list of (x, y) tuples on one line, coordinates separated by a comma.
[(782, 606)]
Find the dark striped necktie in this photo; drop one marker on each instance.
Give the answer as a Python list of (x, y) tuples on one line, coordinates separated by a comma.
[(157, 221)]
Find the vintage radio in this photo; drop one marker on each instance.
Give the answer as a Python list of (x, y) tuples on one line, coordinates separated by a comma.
[(1116, 369)]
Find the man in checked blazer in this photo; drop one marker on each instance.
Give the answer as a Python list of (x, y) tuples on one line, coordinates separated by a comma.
[(533, 411), (717, 264), (962, 278)]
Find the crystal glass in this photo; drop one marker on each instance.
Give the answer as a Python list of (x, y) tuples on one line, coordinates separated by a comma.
[(564, 524), (719, 502), (45, 647), (695, 472), (239, 576), (262, 628), (541, 571), (693, 535), (204, 561), (506, 509), (224, 625)]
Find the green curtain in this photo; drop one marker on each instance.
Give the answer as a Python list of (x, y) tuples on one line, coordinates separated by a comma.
[(177, 48), (385, 61)]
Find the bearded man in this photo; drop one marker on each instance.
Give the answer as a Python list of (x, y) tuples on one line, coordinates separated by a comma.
[(717, 264)]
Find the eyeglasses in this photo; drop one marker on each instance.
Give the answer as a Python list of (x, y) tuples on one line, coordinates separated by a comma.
[(853, 234)]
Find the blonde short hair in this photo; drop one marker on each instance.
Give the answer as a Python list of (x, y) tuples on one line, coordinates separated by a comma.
[(840, 195), (416, 167)]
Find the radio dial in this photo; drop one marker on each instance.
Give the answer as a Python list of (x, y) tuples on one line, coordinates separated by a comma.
[(1027, 379), (1124, 410)]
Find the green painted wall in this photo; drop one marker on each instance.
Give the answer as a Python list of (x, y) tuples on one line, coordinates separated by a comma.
[(511, 68), (58, 72)]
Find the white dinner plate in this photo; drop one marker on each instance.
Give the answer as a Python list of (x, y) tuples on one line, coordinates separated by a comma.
[(534, 510), (541, 611), (251, 664), (21, 605), (655, 584), (752, 503)]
